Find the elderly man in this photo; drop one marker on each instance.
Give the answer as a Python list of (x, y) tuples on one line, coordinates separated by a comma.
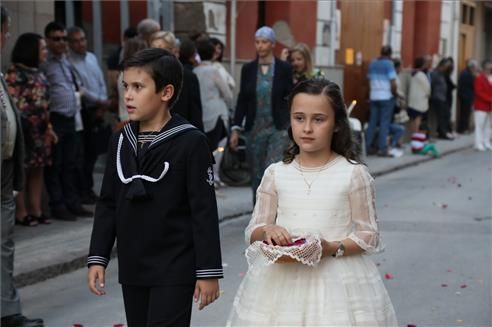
[(12, 179), (64, 108), (94, 102), (146, 28)]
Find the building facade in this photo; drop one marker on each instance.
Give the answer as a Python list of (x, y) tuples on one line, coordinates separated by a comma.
[(343, 35)]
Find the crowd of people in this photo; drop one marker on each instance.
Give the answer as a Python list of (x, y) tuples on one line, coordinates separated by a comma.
[(420, 101)]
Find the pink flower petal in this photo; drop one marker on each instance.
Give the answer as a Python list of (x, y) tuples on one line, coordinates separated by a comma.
[(449, 270), (411, 325), (388, 276), (444, 205), (444, 285), (463, 286)]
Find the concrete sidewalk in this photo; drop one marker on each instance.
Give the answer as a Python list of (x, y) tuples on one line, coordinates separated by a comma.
[(49, 250)]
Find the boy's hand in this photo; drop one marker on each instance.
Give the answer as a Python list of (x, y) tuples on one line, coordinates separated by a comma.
[(207, 290), (96, 273)]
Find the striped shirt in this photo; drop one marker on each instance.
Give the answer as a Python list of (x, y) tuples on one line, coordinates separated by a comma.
[(62, 86), (91, 75)]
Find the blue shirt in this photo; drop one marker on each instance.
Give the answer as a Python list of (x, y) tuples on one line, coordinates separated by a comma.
[(89, 72), (380, 74), (62, 86)]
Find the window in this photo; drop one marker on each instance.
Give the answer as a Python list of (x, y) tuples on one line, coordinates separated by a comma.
[(471, 14), (464, 13)]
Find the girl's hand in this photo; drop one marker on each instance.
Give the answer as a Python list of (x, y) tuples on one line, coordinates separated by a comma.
[(276, 235), (96, 273), (207, 291)]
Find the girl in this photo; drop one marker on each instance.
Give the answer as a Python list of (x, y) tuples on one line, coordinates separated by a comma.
[(300, 59), (320, 188)]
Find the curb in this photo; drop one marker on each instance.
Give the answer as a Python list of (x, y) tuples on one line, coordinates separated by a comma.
[(44, 273), (417, 162)]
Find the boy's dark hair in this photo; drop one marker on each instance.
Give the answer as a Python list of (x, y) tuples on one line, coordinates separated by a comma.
[(206, 49), (342, 141), (53, 27), (162, 65), (26, 50), (419, 62), (215, 41)]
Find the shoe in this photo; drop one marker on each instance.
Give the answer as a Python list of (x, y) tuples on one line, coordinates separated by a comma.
[(79, 211), (43, 219), (19, 320), (28, 221), (488, 146), (395, 153), (384, 154), (447, 137), (61, 213)]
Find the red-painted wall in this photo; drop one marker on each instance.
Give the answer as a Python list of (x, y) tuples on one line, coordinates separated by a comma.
[(427, 27), (300, 16), (247, 18), (408, 34)]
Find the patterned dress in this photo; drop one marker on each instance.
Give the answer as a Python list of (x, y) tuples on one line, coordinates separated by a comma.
[(265, 143), (29, 90)]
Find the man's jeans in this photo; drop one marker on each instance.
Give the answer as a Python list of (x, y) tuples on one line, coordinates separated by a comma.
[(381, 112)]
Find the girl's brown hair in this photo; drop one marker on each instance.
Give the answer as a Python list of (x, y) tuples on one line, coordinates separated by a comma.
[(342, 142)]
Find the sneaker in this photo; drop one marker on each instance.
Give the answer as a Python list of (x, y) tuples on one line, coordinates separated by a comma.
[(395, 153)]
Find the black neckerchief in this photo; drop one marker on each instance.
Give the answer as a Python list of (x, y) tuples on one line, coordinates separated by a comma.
[(127, 165)]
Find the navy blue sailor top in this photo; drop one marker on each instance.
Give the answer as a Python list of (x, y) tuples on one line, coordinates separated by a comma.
[(159, 204)]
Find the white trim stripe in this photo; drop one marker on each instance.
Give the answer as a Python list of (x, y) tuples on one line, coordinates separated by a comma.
[(169, 133), (131, 137)]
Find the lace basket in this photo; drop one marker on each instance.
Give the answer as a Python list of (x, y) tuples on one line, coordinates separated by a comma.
[(308, 253)]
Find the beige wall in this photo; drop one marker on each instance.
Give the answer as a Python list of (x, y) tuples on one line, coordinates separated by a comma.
[(26, 16)]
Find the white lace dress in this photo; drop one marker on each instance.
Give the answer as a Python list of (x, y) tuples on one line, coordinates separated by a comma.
[(345, 291)]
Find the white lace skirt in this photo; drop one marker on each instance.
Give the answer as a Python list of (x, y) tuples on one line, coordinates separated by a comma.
[(347, 291)]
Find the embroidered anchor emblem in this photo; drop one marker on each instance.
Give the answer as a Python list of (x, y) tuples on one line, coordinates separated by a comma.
[(210, 174)]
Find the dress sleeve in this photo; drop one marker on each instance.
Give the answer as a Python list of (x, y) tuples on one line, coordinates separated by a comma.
[(363, 211), (265, 211)]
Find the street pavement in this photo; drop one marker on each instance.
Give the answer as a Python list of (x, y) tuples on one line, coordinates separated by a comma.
[(435, 220), (47, 251)]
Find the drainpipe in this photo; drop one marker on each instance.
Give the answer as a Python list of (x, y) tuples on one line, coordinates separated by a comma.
[(167, 12), (69, 15), (97, 29), (333, 29), (124, 18)]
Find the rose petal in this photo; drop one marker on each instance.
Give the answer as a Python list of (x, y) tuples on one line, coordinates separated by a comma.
[(449, 270), (463, 286), (388, 276), (411, 325), (444, 205), (444, 285)]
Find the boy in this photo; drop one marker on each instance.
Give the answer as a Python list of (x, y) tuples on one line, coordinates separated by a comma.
[(158, 200)]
